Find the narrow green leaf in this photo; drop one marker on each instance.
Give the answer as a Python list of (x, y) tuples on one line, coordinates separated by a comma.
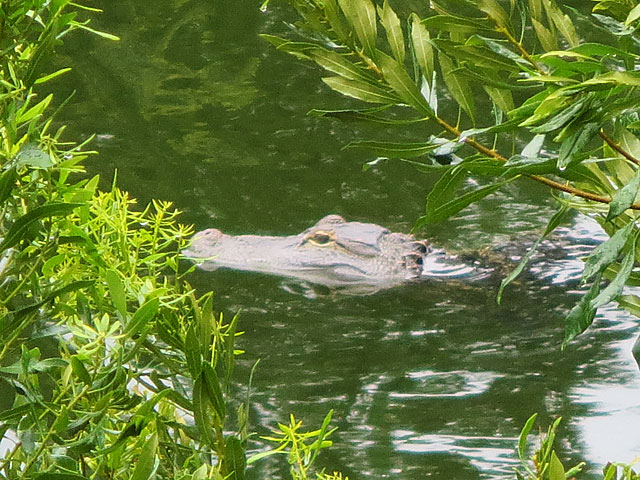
[(201, 413), (398, 78), (335, 20), (631, 79), (360, 90), (458, 25), (582, 314), (446, 210), (34, 111), (501, 97), (51, 76), (391, 24), (193, 353), (562, 118), (338, 64), (556, 470), (422, 48), (606, 253), (142, 317), (22, 224), (395, 150), (614, 288), (235, 460), (522, 440), (364, 115), (445, 188), (495, 12), (562, 22), (574, 144), (624, 198), (550, 105), (633, 16), (7, 182), (601, 50), (80, 371), (99, 33), (361, 14), (146, 463), (117, 292), (213, 390), (546, 37), (458, 87)]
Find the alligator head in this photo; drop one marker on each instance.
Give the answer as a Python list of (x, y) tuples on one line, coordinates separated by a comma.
[(333, 252)]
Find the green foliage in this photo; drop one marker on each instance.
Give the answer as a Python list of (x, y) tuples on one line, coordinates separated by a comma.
[(573, 102), (545, 464), (301, 448), (112, 366)]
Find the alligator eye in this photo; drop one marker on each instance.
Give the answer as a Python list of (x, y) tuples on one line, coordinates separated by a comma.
[(321, 238)]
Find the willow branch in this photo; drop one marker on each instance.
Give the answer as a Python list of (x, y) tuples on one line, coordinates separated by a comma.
[(538, 178), (618, 148)]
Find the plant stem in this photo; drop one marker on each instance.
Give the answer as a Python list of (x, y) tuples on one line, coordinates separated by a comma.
[(618, 148)]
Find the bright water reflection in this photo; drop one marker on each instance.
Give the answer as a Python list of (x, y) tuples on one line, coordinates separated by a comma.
[(431, 378)]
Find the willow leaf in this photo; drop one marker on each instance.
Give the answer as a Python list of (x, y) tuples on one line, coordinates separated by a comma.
[(546, 37), (395, 150), (458, 87), (146, 460), (633, 16), (582, 314), (361, 14), (338, 64), (335, 20), (563, 117), (391, 24), (606, 253), (573, 144), (449, 23), (501, 97), (450, 208), (562, 22), (422, 48), (360, 90), (364, 115), (495, 12), (398, 78), (617, 284), (624, 198), (20, 227)]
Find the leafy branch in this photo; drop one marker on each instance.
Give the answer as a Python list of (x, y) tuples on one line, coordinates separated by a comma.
[(573, 103)]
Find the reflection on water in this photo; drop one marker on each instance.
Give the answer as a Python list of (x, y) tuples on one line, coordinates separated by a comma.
[(431, 378)]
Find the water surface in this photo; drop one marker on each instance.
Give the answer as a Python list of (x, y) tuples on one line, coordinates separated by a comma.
[(431, 378)]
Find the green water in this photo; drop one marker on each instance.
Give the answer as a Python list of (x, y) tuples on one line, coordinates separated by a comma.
[(428, 379)]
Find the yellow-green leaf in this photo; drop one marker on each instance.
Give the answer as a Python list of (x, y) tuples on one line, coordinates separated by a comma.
[(546, 37), (402, 84), (391, 24), (360, 90), (361, 14), (422, 48), (458, 87)]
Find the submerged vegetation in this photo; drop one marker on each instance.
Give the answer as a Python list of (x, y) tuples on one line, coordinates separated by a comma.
[(113, 367)]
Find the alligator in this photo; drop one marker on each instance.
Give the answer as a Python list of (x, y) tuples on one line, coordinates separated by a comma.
[(360, 257)]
